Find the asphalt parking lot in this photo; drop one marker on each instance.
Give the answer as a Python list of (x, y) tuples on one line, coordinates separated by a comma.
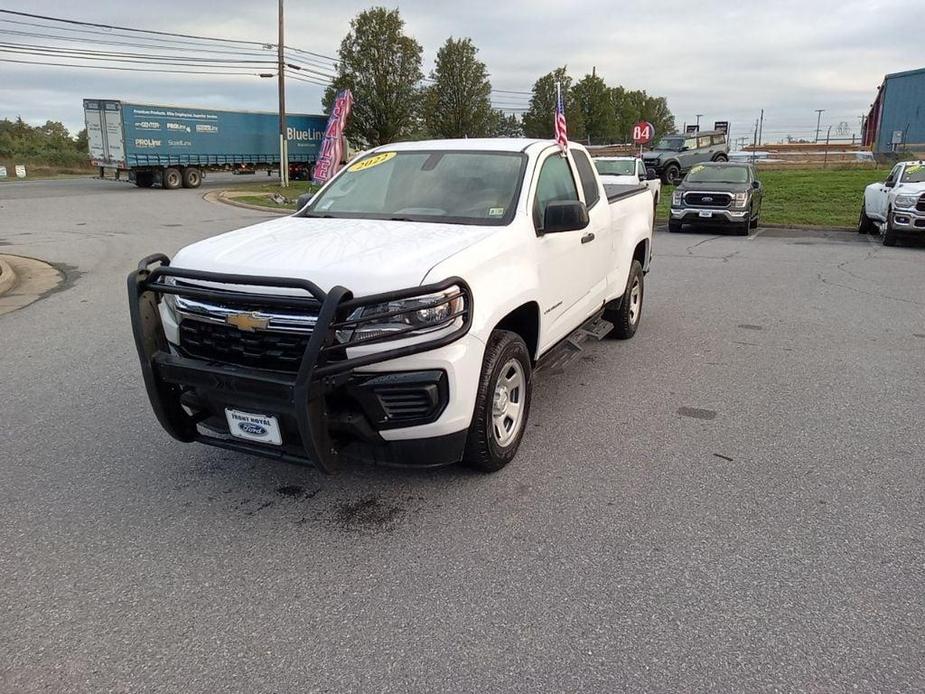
[(732, 501)]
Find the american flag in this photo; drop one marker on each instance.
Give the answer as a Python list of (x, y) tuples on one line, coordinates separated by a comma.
[(561, 129)]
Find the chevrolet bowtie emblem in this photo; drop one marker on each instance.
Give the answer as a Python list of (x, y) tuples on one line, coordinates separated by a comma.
[(248, 322)]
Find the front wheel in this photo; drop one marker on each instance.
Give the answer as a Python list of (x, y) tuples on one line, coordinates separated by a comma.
[(720, 157), (502, 403), (865, 223), (889, 236), (625, 319), (674, 226), (171, 179)]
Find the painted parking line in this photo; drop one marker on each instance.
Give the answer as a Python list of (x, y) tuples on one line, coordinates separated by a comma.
[(756, 234)]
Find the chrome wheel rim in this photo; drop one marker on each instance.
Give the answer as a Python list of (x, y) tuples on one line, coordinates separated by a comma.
[(507, 403), (635, 300)]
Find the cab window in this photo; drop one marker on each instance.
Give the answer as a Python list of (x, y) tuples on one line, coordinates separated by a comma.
[(703, 141), (894, 174), (586, 174), (555, 184), (691, 143), (719, 139)]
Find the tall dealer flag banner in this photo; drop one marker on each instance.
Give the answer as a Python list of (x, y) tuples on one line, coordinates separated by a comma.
[(332, 148)]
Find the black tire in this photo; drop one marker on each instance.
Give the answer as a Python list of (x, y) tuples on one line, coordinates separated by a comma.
[(483, 450), (865, 223), (144, 179), (720, 157), (889, 236), (171, 179), (672, 174), (192, 177), (626, 318), (743, 227), (674, 226), (754, 224)]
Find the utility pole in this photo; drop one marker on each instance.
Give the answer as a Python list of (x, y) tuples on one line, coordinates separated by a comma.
[(819, 112), (761, 128), (699, 116), (283, 140)]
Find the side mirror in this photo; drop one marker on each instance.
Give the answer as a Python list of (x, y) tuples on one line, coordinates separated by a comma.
[(684, 148), (303, 200), (651, 174), (565, 215), (890, 183), (756, 185)]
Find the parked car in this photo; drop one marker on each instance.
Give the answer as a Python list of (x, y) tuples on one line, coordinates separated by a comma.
[(628, 171), (675, 155), (718, 193), (895, 207), (400, 315)]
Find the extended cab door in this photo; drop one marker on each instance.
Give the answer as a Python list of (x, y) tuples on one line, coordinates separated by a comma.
[(562, 257)]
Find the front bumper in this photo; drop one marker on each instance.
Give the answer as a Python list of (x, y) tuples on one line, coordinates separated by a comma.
[(343, 402), (909, 221), (694, 215)]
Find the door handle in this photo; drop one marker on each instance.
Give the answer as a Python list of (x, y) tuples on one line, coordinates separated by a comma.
[(587, 238)]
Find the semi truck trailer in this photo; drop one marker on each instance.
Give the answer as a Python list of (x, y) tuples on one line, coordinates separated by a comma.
[(174, 146)]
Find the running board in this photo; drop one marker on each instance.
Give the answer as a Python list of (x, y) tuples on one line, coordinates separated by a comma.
[(560, 356)]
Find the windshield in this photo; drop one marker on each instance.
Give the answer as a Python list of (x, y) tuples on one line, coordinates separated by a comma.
[(422, 186), (611, 167), (718, 174), (914, 173), (672, 144)]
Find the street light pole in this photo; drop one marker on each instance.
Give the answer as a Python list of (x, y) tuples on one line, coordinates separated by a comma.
[(281, 69), (819, 112), (699, 116)]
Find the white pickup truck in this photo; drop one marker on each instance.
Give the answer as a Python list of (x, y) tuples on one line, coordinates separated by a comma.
[(624, 170), (896, 206), (400, 315)]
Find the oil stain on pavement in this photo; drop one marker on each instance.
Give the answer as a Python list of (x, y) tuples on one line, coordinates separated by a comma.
[(696, 413)]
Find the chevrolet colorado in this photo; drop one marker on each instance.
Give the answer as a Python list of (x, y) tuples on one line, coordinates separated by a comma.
[(399, 316)]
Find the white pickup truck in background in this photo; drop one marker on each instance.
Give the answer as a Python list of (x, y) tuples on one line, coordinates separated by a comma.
[(400, 315), (628, 170), (896, 206)]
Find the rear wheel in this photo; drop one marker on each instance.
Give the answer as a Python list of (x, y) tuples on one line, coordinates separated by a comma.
[(625, 319), (865, 223), (672, 175), (144, 179), (172, 179), (502, 403), (192, 177)]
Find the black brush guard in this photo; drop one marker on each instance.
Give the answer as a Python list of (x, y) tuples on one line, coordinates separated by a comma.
[(324, 367)]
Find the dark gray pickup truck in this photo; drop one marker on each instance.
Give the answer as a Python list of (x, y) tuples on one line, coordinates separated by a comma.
[(718, 193)]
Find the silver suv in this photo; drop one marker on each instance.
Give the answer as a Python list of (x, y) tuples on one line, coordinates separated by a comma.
[(675, 155)]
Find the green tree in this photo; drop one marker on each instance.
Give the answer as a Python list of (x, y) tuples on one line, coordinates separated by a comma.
[(81, 143), (592, 98), (382, 67), (633, 106), (538, 120), (503, 125), (458, 103)]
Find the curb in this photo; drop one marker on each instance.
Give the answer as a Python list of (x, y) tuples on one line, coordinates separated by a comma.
[(7, 277), (807, 227), (219, 197)]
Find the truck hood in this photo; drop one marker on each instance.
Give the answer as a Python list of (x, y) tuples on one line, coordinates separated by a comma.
[(365, 256), (716, 187)]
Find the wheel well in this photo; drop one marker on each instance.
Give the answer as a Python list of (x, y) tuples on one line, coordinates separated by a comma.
[(641, 252), (525, 321)]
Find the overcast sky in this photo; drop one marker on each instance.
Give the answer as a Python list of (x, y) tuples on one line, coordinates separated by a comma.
[(725, 59)]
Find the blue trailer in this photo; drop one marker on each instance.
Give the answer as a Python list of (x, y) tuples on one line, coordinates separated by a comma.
[(174, 146)]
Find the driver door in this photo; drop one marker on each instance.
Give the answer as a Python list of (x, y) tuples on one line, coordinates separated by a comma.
[(883, 199)]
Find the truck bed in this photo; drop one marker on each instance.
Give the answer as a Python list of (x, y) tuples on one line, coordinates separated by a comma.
[(618, 191)]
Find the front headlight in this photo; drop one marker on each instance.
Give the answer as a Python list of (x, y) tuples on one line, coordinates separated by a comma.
[(676, 197), (170, 300), (905, 201), (404, 318), (740, 200)]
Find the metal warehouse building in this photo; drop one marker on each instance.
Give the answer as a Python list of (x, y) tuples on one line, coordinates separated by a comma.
[(896, 121)]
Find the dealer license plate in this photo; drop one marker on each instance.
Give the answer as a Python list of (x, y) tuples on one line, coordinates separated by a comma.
[(706, 213), (253, 427)]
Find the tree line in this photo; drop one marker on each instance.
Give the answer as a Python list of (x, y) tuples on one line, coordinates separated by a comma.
[(382, 66), (49, 144)]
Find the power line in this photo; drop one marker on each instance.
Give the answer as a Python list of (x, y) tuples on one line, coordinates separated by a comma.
[(89, 53), (126, 69)]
